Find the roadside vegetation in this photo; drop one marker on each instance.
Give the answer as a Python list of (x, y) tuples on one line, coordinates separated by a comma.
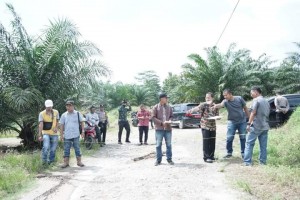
[(18, 169), (280, 178)]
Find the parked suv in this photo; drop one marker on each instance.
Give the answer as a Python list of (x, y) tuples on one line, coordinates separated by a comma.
[(182, 119), (294, 101)]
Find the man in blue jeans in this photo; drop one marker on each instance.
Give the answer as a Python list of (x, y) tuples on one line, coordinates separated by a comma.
[(162, 115), (237, 113), (258, 127), (48, 132), (69, 129)]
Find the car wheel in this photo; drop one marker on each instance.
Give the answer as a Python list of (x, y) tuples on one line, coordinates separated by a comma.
[(181, 124)]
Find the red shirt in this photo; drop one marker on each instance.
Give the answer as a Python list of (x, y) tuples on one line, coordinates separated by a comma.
[(145, 121)]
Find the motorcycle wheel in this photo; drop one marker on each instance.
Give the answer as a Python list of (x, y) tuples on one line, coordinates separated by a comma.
[(89, 142)]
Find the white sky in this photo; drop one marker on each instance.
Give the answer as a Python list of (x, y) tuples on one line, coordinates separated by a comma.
[(139, 35)]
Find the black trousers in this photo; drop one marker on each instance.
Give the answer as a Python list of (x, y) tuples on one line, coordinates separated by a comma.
[(209, 144), (281, 117), (98, 134), (103, 129), (123, 124), (142, 130)]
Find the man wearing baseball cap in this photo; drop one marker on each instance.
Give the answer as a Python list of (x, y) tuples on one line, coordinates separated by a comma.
[(48, 132), (162, 116), (71, 126)]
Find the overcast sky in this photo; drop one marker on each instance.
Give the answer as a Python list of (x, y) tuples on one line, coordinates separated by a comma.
[(139, 35)]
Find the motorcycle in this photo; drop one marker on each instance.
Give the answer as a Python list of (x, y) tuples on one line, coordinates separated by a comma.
[(134, 119), (90, 135)]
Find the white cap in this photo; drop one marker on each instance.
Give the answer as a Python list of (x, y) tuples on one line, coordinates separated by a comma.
[(48, 103)]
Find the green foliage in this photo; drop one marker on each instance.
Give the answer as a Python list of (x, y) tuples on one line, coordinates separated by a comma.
[(57, 65), (284, 143), (151, 82)]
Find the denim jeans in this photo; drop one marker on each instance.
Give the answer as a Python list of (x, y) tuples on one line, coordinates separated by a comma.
[(49, 145), (159, 135), (68, 144), (231, 129), (263, 141)]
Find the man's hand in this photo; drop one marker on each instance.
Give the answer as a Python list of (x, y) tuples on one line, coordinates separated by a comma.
[(40, 138), (61, 138), (55, 130), (248, 128), (82, 135)]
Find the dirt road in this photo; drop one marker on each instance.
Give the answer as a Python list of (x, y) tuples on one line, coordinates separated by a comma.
[(112, 173)]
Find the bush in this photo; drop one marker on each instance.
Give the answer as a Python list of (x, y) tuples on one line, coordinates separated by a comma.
[(284, 143)]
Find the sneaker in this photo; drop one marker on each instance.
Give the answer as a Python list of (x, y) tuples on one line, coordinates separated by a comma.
[(247, 164), (157, 163), (242, 156), (214, 159), (145, 143), (170, 162), (228, 156), (141, 144), (120, 143), (208, 160), (127, 141)]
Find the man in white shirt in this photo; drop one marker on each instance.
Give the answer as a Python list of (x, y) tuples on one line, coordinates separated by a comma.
[(93, 119), (282, 107)]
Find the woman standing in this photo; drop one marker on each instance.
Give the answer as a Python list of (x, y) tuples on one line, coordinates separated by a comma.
[(208, 126), (143, 117)]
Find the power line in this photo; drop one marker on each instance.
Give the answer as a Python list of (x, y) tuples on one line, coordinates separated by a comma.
[(227, 22)]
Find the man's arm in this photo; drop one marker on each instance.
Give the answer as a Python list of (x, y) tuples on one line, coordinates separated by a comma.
[(62, 128), (155, 119), (247, 111), (220, 105), (195, 109), (41, 126)]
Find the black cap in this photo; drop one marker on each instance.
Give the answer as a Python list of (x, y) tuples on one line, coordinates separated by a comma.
[(124, 101), (92, 107), (163, 95), (69, 102)]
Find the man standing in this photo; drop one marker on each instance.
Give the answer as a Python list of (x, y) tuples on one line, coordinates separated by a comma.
[(143, 116), (103, 122), (162, 115), (70, 124), (208, 126), (282, 107), (123, 122), (48, 132), (257, 127), (93, 119), (237, 113)]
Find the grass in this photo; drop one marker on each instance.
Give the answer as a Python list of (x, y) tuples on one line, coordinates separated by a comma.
[(17, 170), (9, 134), (244, 185), (280, 178)]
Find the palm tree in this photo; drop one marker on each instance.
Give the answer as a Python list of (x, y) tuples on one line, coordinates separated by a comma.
[(57, 65)]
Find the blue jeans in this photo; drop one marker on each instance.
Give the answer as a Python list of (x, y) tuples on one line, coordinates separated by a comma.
[(159, 135), (49, 145), (263, 141), (231, 129), (68, 144)]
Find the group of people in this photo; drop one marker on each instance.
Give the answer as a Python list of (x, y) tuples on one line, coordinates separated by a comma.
[(257, 125), (72, 126)]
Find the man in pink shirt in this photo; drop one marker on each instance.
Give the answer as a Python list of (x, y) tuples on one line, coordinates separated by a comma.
[(143, 117)]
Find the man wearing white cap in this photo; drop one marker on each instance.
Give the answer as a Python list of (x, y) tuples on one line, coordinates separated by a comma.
[(48, 132)]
